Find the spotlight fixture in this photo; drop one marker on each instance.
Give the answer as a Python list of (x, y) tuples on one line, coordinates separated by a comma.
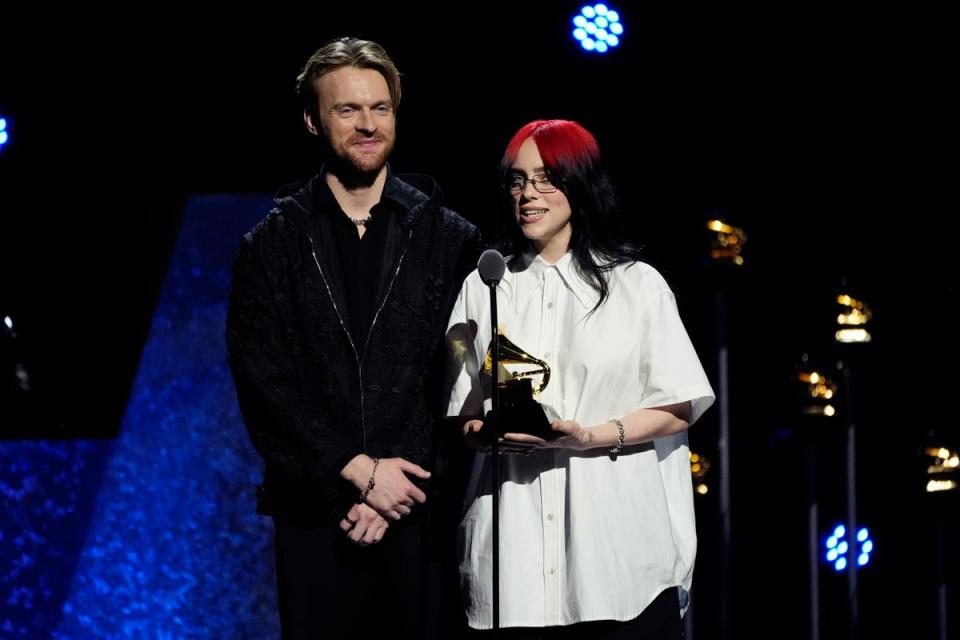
[(597, 28), (839, 550)]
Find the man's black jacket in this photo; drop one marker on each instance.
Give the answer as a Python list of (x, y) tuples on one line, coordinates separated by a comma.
[(311, 396)]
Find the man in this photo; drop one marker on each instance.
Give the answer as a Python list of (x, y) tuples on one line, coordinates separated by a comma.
[(338, 306)]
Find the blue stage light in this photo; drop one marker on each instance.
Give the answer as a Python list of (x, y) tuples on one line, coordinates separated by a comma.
[(597, 28), (840, 551)]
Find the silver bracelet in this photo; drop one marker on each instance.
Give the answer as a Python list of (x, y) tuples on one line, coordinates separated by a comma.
[(619, 445), (370, 483)]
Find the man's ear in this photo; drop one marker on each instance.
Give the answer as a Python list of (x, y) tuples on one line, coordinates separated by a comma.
[(311, 127)]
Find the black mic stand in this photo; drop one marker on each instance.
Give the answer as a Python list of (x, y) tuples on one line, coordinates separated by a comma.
[(492, 418), (491, 267)]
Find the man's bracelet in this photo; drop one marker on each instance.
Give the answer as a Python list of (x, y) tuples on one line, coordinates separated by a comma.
[(371, 483)]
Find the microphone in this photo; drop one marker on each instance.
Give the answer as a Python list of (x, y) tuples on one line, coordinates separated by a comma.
[(491, 266)]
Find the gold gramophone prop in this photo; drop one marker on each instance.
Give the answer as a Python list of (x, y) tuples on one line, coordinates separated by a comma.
[(519, 410), (852, 320), (819, 394), (727, 244), (943, 469)]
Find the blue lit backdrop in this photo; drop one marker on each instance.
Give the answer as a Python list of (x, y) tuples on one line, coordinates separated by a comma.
[(153, 534)]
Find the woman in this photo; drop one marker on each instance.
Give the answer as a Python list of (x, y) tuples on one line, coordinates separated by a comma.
[(597, 534)]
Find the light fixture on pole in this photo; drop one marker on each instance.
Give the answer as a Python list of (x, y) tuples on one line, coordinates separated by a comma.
[(850, 334), (815, 397), (726, 248), (942, 473)]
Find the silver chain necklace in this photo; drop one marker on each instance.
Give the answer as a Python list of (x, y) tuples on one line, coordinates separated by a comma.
[(360, 221)]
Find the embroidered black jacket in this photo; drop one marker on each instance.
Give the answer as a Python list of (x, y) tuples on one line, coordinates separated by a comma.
[(312, 397)]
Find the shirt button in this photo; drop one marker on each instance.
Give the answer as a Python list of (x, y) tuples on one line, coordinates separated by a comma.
[(549, 305), (546, 355), (549, 516), (552, 571)]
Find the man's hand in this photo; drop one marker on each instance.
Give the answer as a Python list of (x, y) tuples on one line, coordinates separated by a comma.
[(393, 495), (363, 525)]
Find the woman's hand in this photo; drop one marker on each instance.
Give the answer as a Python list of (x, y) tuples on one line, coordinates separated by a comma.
[(476, 440), (574, 437)]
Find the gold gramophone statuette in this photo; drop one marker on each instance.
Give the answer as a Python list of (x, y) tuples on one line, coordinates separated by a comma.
[(519, 410), (512, 354)]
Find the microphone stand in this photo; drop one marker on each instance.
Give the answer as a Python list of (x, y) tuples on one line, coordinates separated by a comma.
[(491, 267), (495, 453)]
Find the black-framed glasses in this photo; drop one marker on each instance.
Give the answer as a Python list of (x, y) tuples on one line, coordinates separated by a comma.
[(541, 184)]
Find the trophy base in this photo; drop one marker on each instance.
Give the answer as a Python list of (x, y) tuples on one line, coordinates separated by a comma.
[(520, 413)]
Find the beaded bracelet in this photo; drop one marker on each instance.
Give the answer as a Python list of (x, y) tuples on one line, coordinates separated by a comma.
[(619, 445), (370, 483)]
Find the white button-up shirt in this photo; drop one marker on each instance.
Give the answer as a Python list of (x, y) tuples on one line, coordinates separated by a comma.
[(583, 535)]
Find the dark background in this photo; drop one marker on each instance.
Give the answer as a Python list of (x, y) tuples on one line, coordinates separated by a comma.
[(826, 132)]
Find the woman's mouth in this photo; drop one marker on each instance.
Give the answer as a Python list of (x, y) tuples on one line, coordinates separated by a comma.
[(531, 215)]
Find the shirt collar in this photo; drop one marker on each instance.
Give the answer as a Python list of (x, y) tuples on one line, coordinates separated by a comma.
[(524, 271)]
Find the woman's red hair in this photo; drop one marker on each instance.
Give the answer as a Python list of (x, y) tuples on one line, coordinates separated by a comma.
[(564, 145)]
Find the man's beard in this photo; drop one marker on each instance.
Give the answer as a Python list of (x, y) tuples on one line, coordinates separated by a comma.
[(352, 172)]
